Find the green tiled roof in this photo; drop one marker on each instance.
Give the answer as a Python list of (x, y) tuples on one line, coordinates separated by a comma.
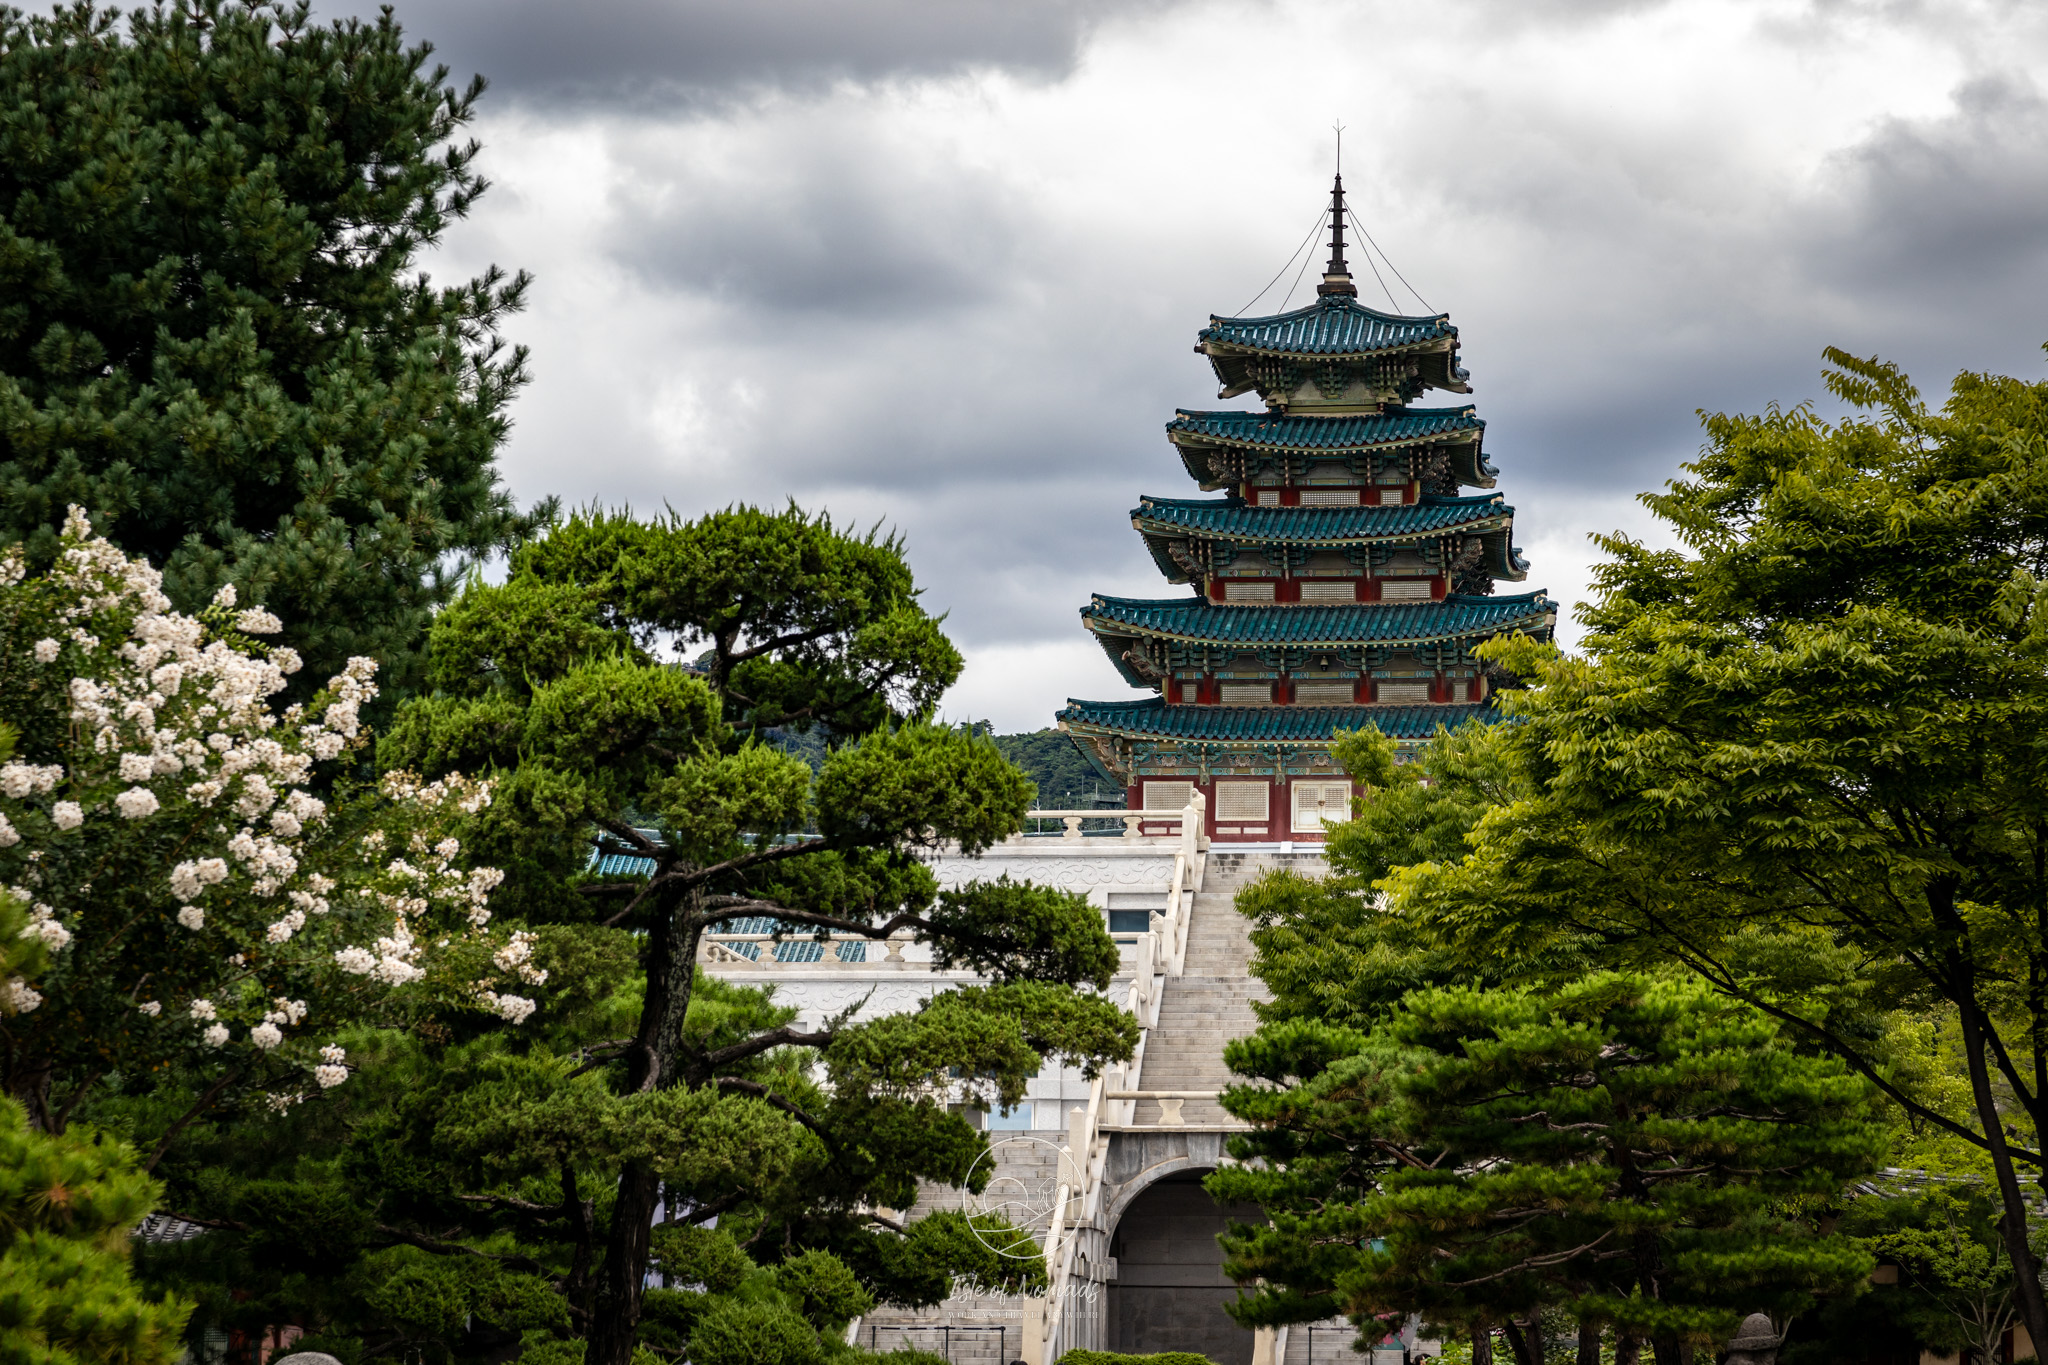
[(1332, 325), (1195, 619), (1152, 718), (1231, 519), (1328, 435), (1202, 437)]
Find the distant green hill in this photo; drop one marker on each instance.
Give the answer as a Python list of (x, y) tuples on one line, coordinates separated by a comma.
[(1066, 780)]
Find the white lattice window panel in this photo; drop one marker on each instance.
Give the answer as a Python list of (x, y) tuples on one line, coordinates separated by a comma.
[(1404, 693), (1406, 590), (1319, 803), (1246, 693), (1248, 590), (1322, 692), (1266, 497), (1329, 497), (1167, 795), (1391, 496), (1328, 590), (1241, 801)]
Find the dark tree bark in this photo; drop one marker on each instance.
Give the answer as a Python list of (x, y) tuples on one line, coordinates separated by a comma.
[(1527, 1346), (2026, 1270), (1589, 1343), (653, 1063)]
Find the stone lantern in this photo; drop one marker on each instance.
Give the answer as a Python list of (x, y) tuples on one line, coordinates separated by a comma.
[(1754, 1342)]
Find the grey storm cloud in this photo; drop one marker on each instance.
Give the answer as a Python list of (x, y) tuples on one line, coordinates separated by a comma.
[(613, 52), (831, 225), (1949, 212)]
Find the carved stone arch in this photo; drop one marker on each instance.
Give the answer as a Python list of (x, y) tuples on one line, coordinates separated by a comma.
[(1160, 1225), (1113, 1207)]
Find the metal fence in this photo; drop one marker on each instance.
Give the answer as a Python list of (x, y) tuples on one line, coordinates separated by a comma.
[(959, 1345)]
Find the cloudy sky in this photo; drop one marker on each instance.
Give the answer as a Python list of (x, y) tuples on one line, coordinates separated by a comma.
[(940, 263)]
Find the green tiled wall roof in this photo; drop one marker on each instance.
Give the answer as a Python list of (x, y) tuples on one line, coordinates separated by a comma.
[(1232, 519), (1195, 619), (1332, 325), (1363, 431), (1154, 719)]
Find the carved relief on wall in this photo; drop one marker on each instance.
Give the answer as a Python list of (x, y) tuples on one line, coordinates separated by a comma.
[(1077, 873)]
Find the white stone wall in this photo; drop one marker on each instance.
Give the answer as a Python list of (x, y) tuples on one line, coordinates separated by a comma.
[(1095, 867)]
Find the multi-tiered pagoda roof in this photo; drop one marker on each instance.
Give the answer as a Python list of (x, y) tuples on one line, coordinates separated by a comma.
[(1343, 580)]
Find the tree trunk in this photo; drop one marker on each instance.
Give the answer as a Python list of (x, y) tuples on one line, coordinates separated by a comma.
[(1628, 1348), (1589, 1343), (1482, 1345), (2012, 1226), (1664, 1348), (615, 1324), (652, 1064), (1528, 1347)]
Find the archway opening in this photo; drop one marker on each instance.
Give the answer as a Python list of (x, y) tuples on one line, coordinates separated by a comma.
[(1170, 1289)]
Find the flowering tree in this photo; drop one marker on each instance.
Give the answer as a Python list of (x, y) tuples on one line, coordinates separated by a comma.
[(193, 900)]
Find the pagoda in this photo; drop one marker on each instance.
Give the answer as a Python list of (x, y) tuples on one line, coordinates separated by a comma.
[(1341, 580)]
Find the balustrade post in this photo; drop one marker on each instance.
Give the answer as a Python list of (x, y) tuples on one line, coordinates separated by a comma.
[(1073, 824), (1131, 823)]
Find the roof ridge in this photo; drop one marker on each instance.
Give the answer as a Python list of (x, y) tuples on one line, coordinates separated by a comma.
[(1268, 415), (1331, 303), (1428, 500), (1456, 599), (1265, 724)]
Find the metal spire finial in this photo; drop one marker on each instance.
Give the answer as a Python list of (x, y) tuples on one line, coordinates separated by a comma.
[(1337, 275)]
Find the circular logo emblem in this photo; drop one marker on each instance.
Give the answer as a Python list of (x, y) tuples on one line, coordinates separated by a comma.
[(1015, 1210)]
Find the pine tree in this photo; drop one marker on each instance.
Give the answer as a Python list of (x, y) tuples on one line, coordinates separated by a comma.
[(68, 1206), (643, 1100), (1633, 1150), (210, 338)]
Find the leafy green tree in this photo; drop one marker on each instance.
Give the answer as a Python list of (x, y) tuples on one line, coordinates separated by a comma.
[(1955, 1275), (1323, 949), (648, 1106), (212, 338), (1630, 1148), (1811, 733), (68, 1206)]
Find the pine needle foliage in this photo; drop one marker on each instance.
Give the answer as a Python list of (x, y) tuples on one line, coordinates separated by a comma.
[(213, 337), (1636, 1150), (68, 1205)]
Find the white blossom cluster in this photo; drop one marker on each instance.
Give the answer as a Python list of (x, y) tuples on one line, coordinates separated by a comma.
[(512, 1007), (173, 719), (517, 957)]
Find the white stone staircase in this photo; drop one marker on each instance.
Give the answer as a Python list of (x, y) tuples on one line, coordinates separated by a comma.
[(1204, 1007)]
